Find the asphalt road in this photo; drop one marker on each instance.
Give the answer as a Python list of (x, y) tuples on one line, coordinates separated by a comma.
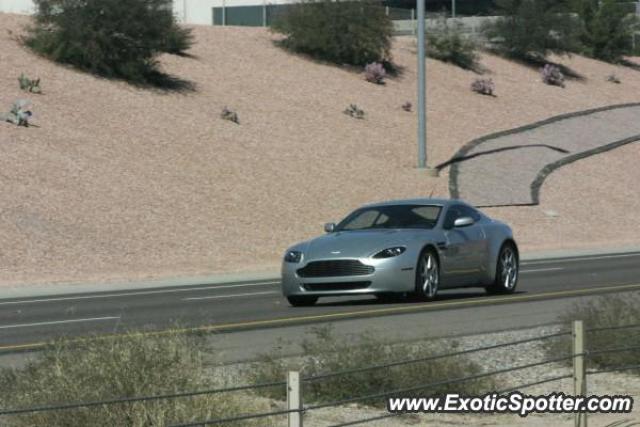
[(28, 322)]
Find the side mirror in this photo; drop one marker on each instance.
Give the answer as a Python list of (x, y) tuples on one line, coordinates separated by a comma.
[(465, 221), (329, 227)]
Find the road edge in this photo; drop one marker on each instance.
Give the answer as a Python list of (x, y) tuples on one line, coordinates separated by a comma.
[(268, 275)]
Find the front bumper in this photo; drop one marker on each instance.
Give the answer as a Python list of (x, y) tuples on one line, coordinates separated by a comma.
[(390, 275)]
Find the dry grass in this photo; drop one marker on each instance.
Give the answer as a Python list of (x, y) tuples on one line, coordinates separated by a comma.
[(323, 353), (610, 311), (130, 365), (119, 182)]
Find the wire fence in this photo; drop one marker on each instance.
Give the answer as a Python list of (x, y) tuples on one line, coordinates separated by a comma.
[(435, 357), (302, 409), (123, 400)]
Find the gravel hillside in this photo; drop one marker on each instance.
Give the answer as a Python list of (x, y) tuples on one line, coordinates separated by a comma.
[(124, 183)]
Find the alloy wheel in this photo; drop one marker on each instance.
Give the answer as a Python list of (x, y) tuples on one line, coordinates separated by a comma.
[(429, 275), (508, 268)]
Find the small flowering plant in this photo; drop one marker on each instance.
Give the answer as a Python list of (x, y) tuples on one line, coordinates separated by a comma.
[(483, 86), (552, 75), (375, 73)]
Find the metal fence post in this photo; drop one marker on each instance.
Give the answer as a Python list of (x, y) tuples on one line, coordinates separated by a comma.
[(413, 22), (264, 13), (579, 371), (224, 13), (294, 399), (184, 12)]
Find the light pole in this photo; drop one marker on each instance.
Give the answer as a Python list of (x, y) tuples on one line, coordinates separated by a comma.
[(422, 94)]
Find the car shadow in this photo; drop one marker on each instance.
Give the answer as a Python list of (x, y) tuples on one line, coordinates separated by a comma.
[(372, 300)]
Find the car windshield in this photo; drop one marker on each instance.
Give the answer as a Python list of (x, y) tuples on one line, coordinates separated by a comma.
[(391, 216)]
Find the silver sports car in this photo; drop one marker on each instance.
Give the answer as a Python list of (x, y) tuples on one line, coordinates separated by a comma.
[(403, 247)]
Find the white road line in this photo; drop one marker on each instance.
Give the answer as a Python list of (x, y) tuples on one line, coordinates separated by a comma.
[(124, 294), (538, 270), (59, 322), (230, 296)]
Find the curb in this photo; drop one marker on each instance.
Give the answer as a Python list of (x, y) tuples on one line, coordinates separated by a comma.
[(69, 288), (547, 169), (536, 185), (579, 253)]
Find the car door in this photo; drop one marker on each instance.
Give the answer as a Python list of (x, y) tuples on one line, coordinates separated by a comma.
[(461, 249)]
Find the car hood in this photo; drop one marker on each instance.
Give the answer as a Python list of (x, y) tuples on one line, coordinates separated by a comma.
[(357, 244)]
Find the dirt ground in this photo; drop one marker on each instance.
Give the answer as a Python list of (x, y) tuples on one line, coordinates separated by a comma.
[(120, 183)]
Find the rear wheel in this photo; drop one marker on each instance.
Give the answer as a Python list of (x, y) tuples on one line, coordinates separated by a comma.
[(427, 275), (302, 301), (507, 270)]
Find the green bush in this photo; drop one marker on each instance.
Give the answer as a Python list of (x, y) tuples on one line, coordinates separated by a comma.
[(111, 38), (124, 366), (178, 40), (532, 29), (342, 31), (324, 353), (606, 311), (607, 29), (448, 44)]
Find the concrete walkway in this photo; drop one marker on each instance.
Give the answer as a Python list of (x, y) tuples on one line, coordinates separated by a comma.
[(509, 168)]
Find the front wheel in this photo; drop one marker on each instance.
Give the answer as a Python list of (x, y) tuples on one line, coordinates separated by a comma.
[(302, 301), (507, 269), (427, 276)]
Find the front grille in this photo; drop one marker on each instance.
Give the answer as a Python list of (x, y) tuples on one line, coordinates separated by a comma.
[(335, 268), (340, 286)]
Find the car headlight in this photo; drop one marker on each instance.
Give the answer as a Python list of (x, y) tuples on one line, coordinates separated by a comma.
[(390, 252), (293, 257)]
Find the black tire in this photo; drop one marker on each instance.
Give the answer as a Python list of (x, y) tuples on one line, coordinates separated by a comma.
[(507, 265), (428, 267), (302, 301)]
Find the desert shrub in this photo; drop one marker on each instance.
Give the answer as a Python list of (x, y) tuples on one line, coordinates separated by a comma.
[(531, 29), (111, 38), (29, 85), (552, 75), (483, 86), (607, 29), (375, 73), (230, 115), (407, 107), (124, 366), (324, 353), (20, 113), (354, 111), (604, 312), (178, 40), (449, 44), (343, 32)]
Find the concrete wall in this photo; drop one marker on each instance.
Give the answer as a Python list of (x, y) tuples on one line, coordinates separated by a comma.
[(24, 7), (470, 25), (194, 11), (187, 11)]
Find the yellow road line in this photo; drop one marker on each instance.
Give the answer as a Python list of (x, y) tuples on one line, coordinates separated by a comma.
[(377, 311)]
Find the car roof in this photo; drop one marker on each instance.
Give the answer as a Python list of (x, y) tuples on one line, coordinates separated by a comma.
[(424, 201)]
